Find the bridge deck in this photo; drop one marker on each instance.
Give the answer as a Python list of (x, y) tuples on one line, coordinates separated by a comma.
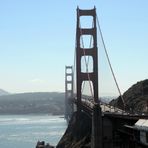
[(108, 110)]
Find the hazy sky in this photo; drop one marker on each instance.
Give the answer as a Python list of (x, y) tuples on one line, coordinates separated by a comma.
[(37, 40)]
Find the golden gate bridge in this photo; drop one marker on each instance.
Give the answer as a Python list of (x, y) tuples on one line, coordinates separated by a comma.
[(108, 122)]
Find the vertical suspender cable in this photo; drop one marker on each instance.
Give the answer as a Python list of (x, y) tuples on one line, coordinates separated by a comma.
[(90, 43)]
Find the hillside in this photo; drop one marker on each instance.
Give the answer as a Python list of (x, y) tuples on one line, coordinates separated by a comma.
[(78, 133), (3, 92), (32, 103), (136, 98)]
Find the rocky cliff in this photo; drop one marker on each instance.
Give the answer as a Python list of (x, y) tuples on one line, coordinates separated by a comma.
[(135, 98), (78, 133)]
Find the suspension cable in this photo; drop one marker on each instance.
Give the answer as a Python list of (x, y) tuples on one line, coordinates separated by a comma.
[(108, 59)]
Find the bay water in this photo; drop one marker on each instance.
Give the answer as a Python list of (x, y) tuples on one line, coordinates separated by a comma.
[(21, 131)]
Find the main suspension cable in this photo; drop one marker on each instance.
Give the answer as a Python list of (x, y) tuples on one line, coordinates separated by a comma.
[(108, 59)]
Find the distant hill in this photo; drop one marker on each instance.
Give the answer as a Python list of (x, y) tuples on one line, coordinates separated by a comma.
[(33, 103), (107, 99), (136, 98), (3, 92)]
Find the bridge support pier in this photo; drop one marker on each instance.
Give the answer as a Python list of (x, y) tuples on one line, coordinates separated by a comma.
[(96, 140)]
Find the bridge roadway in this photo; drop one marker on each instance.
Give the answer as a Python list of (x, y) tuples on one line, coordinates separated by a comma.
[(87, 105), (108, 110)]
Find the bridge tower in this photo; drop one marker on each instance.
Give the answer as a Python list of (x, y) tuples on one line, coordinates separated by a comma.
[(69, 106), (89, 76), (82, 51)]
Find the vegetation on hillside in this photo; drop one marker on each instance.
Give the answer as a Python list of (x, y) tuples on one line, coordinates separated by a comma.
[(135, 98)]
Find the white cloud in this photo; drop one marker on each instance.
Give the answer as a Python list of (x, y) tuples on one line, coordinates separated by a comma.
[(37, 80)]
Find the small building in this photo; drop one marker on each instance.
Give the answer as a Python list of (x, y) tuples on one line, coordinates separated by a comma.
[(142, 127)]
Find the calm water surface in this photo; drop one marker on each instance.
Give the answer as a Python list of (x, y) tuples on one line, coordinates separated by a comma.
[(23, 131)]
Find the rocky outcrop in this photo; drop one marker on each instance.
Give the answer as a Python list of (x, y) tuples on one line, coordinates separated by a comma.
[(41, 144), (135, 98), (78, 133)]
